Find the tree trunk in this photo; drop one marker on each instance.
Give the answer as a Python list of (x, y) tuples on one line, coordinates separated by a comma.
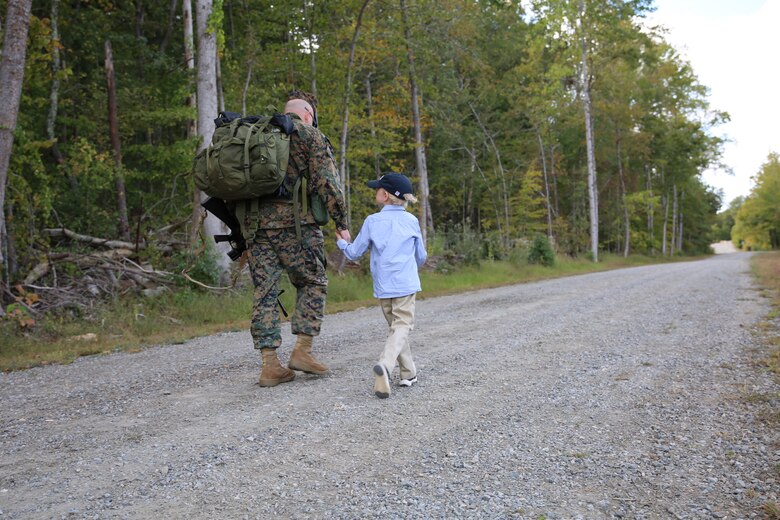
[(489, 185), (593, 195), (372, 126), (626, 220), (467, 193), (54, 95), (309, 16), (554, 180), (139, 19), (11, 79), (169, 30), (419, 145), (244, 92), (192, 130), (680, 222), (207, 111), (665, 203), (347, 91), (220, 90), (13, 265), (546, 186), (673, 241), (650, 209), (504, 195), (113, 130)]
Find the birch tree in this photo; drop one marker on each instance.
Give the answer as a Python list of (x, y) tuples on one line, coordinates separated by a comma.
[(113, 130), (347, 91), (587, 107), (207, 109), (192, 124), (11, 79), (419, 146)]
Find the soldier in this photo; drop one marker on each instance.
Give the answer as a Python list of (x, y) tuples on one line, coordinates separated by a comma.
[(276, 247)]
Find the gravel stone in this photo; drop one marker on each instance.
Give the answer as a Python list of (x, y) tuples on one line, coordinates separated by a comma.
[(633, 393)]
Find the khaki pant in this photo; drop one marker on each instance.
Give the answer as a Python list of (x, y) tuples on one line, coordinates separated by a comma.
[(399, 313)]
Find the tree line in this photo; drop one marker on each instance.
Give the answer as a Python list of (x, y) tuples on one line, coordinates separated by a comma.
[(572, 120)]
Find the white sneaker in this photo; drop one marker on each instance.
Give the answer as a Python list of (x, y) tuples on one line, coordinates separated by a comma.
[(407, 382), (381, 382)]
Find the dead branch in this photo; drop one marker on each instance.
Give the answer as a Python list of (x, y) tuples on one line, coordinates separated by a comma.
[(171, 227), (43, 268), (93, 241)]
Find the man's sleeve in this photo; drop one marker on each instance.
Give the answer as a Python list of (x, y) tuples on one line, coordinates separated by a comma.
[(324, 179)]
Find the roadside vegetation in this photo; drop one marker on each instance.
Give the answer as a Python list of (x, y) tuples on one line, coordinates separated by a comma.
[(132, 323), (766, 268)]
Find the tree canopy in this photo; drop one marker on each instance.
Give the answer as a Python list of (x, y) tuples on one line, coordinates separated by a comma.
[(500, 107), (757, 221)]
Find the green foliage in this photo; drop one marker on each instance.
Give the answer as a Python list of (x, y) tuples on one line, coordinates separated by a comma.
[(724, 221), (202, 267), (757, 222), (541, 252), (501, 118), (460, 246)]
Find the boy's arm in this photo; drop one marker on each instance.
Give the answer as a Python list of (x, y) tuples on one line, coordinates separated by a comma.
[(356, 249), (420, 255)]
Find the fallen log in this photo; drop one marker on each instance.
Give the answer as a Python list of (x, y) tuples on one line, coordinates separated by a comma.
[(42, 269), (93, 241)]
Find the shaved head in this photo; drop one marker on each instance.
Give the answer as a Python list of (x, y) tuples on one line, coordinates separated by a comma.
[(301, 108)]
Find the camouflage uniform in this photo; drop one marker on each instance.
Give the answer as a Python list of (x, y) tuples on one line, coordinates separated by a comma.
[(277, 248)]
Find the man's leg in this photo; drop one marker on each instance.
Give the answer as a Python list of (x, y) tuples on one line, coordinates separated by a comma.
[(266, 270), (304, 261)]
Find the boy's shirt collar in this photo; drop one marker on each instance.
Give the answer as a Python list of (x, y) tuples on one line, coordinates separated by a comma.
[(392, 207)]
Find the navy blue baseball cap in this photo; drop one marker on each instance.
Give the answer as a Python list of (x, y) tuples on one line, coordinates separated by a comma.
[(394, 183)]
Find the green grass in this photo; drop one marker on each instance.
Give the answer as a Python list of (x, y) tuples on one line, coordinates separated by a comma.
[(766, 269), (132, 324)]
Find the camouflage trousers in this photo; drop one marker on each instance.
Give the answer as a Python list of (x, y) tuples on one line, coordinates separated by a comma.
[(271, 253)]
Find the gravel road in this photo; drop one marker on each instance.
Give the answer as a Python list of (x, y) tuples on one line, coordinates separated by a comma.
[(625, 394)]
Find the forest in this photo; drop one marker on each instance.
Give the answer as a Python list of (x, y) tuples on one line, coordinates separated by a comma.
[(575, 121)]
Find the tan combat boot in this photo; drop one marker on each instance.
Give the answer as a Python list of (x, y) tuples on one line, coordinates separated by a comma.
[(273, 372), (301, 358)]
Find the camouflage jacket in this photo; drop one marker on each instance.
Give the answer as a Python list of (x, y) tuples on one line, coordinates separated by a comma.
[(310, 155)]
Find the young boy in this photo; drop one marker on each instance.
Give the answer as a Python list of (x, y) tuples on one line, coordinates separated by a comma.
[(397, 251)]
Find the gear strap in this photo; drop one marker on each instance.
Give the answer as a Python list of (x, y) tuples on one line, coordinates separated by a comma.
[(300, 190)]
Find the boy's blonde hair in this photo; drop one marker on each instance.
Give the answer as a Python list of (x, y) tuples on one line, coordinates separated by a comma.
[(398, 201)]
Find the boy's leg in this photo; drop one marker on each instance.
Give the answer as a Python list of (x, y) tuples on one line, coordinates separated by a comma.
[(408, 370), (399, 313)]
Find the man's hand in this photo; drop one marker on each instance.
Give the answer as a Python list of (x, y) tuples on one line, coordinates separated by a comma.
[(344, 234)]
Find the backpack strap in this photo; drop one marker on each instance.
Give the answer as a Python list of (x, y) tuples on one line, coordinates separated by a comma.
[(300, 192), (297, 207), (248, 214), (248, 138)]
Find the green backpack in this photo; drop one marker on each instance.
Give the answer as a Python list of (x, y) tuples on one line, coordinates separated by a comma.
[(247, 157)]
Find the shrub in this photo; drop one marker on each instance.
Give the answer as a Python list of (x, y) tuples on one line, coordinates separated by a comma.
[(541, 252)]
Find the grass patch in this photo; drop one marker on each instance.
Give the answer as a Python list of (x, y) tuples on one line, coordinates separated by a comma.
[(766, 269), (771, 510), (175, 317)]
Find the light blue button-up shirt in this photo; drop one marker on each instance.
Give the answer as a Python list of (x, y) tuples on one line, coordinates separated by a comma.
[(397, 250)]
